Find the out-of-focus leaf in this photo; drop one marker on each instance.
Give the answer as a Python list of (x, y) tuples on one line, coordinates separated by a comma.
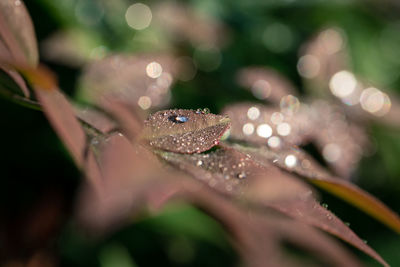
[(58, 110), (73, 47), (265, 84), (184, 131), (140, 81), (297, 162), (17, 32), (323, 56), (96, 118), (323, 124), (310, 212), (19, 81)]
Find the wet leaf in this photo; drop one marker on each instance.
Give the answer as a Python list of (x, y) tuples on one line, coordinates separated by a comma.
[(312, 213), (17, 32), (131, 182), (296, 161), (340, 143), (184, 131), (230, 171)]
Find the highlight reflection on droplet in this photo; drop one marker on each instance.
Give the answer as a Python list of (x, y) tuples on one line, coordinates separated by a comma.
[(274, 141), (290, 161), (331, 152), (264, 130), (248, 129), (277, 118), (144, 102), (375, 101), (154, 70), (253, 113), (284, 129), (343, 83)]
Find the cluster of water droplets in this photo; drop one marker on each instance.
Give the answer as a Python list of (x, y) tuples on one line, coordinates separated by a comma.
[(185, 131)]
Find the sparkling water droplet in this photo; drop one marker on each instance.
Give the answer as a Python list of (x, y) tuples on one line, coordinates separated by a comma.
[(241, 175), (324, 205), (199, 163), (178, 119)]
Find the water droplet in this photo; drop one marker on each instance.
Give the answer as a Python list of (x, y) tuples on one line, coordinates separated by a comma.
[(199, 163), (290, 161), (324, 205), (241, 175), (248, 129), (253, 113), (264, 130), (178, 119)]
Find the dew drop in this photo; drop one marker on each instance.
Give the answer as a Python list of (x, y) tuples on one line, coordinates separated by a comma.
[(178, 119), (199, 163), (290, 161), (241, 175), (324, 205)]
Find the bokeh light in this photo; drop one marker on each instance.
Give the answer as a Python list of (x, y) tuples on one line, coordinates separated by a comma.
[(138, 16)]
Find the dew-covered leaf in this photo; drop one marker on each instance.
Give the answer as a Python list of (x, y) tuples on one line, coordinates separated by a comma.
[(325, 125), (233, 172), (298, 162), (141, 81), (184, 131), (132, 181), (303, 206), (17, 32), (310, 212), (265, 84)]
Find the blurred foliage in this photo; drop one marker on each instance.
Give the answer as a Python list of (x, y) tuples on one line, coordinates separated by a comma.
[(267, 33)]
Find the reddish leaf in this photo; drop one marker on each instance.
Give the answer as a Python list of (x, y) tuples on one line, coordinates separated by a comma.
[(324, 55), (265, 84), (17, 32), (131, 180), (340, 143), (140, 81), (184, 131), (297, 162), (58, 110), (17, 79)]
